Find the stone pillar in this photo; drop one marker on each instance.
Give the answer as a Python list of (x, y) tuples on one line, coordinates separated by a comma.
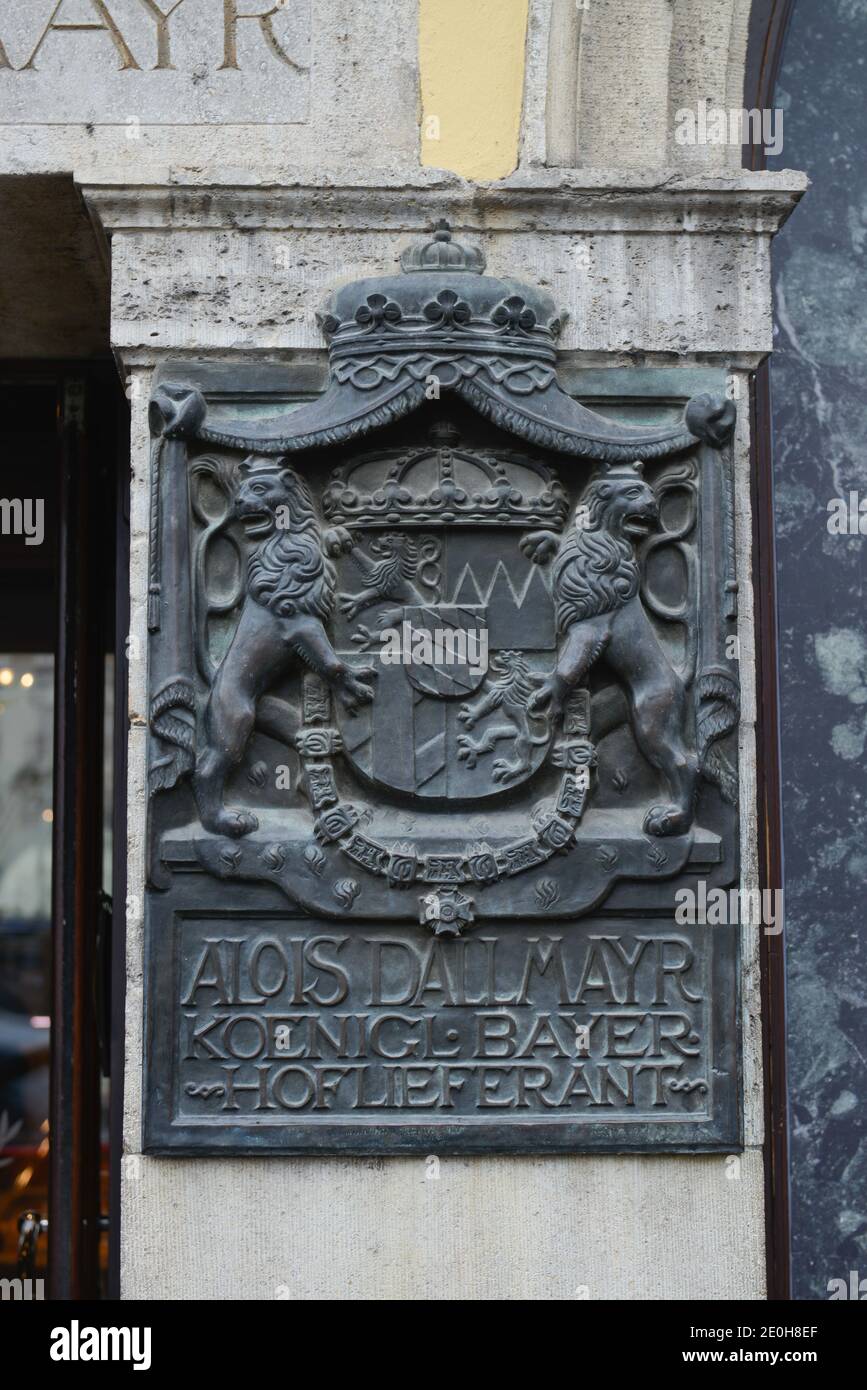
[(662, 274)]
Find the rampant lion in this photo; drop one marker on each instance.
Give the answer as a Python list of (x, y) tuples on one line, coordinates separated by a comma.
[(399, 560), (510, 692), (290, 591), (596, 583)]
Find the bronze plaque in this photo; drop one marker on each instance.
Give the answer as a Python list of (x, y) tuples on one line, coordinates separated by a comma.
[(444, 698)]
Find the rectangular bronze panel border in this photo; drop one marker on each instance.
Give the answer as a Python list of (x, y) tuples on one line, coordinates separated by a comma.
[(270, 385), (291, 1138)]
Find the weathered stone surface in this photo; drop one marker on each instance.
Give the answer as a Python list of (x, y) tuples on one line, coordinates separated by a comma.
[(649, 264), (667, 265), (820, 468), (606, 78), (88, 114), (493, 1229), (206, 63)]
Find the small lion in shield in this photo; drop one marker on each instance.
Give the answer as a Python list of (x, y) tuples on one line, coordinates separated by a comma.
[(512, 685)]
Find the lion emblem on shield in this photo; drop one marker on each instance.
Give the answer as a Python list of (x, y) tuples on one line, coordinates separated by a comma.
[(511, 688)]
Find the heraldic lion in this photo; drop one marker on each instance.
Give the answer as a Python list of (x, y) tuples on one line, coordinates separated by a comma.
[(596, 583), (290, 591), (509, 693)]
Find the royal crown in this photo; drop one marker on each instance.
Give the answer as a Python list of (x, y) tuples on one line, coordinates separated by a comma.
[(442, 484), (442, 306)]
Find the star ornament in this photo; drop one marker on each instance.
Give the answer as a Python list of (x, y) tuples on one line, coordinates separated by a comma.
[(446, 912)]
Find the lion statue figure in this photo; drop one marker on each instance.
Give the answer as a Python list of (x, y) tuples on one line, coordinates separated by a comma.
[(289, 595), (596, 586)]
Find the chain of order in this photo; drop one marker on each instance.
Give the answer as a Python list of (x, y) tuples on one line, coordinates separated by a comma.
[(337, 822)]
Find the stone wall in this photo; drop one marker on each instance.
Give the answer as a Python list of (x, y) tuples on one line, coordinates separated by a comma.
[(185, 281), (223, 240)]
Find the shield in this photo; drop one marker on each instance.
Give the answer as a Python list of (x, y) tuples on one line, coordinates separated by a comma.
[(445, 648), (436, 729)]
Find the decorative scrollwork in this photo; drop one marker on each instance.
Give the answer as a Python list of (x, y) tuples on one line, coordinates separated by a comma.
[(222, 474), (680, 479)]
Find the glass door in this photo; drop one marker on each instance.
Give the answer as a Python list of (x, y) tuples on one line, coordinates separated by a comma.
[(61, 452)]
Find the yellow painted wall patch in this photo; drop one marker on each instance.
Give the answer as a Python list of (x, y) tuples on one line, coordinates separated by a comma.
[(471, 61)]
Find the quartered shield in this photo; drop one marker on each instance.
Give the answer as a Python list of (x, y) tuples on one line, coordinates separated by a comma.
[(439, 726)]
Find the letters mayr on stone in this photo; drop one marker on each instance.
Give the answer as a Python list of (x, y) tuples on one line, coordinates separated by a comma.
[(159, 63)]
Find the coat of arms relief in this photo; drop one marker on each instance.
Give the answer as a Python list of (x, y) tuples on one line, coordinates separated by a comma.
[(443, 644)]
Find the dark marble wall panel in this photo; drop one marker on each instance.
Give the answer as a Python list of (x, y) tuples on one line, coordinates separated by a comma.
[(819, 377)]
